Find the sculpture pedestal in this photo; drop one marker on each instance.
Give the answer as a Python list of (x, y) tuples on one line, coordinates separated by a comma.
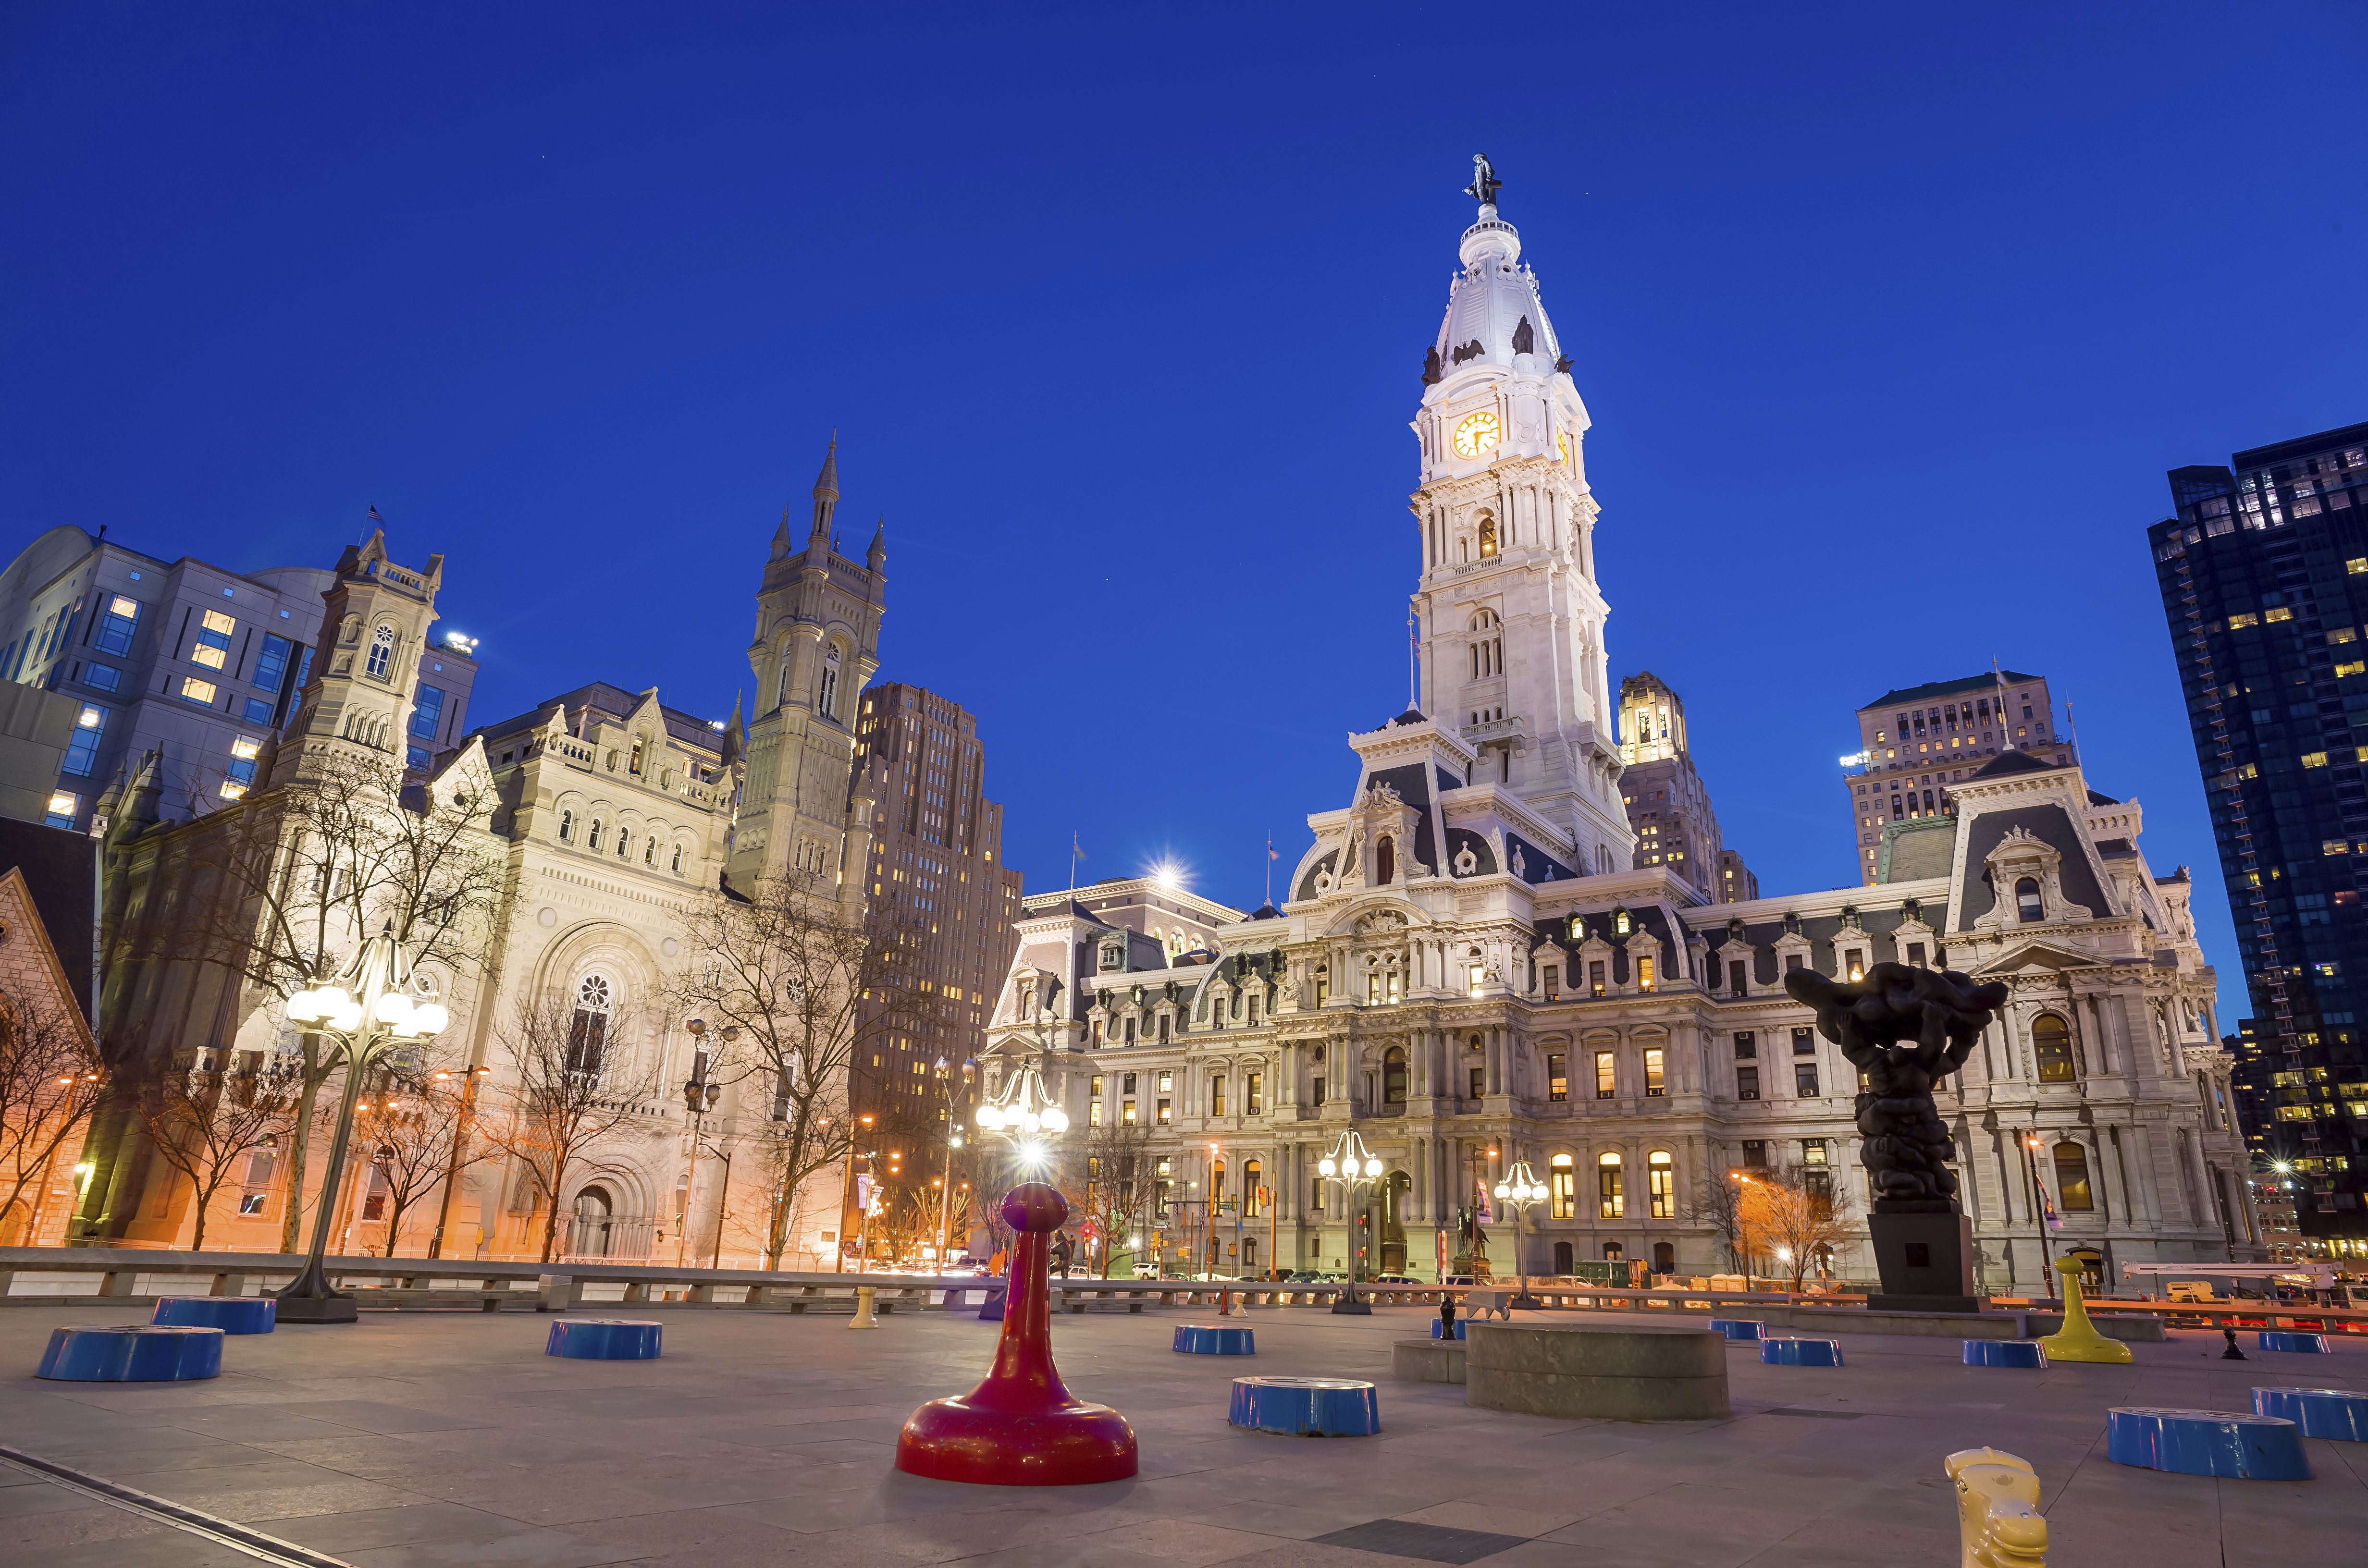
[(1926, 1258)]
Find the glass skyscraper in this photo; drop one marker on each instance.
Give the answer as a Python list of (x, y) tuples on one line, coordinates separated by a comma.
[(2264, 578)]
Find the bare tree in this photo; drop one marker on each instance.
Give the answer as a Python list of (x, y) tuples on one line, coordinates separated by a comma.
[(286, 883), (203, 1118), (51, 1080), (1717, 1204), (567, 1096), (409, 1130), (1793, 1212), (1108, 1183), (793, 985)]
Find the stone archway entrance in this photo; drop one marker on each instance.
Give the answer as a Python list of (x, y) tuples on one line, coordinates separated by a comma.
[(589, 1232)]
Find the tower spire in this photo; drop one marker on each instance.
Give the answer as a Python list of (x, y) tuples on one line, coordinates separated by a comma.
[(825, 492)]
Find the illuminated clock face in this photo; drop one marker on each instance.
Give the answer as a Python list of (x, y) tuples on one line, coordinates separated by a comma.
[(1477, 437)]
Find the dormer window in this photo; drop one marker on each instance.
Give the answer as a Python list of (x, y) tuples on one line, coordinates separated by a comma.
[(381, 652), (2027, 904), (1385, 859)]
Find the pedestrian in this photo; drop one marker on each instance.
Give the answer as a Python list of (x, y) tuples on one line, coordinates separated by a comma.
[(1061, 1250)]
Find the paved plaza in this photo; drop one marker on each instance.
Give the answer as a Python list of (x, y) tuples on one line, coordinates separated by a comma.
[(450, 1439)]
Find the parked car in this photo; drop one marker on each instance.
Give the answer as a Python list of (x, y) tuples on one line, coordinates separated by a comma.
[(1393, 1280), (1458, 1280), (1310, 1277)]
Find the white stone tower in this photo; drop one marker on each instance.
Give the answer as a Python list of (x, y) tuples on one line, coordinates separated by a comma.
[(802, 811), (365, 672), (1511, 618)]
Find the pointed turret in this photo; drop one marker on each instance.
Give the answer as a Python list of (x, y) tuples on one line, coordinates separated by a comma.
[(825, 493), (781, 536), (735, 735), (877, 556)]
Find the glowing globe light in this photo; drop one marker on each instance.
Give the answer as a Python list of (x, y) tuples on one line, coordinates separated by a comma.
[(989, 1119)]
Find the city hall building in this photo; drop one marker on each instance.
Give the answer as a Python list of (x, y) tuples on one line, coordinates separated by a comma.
[(1474, 964)]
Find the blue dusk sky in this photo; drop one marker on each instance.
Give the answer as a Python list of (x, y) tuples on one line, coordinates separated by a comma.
[(1889, 318)]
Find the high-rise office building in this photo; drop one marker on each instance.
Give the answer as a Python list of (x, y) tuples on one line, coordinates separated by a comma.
[(195, 662), (1669, 805), (1917, 740), (2264, 579), (940, 884)]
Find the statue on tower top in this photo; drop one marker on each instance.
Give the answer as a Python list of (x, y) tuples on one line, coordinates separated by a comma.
[(1484, 183)]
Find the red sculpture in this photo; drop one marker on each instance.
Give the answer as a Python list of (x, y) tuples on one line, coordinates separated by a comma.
[(1019, 1427)]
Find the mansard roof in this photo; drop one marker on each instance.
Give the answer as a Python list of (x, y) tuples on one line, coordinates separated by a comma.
[(617, 706), (2007, 764), (1901, 697)]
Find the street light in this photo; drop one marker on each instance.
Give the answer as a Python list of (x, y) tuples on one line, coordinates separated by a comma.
[(1354, 1168), (366, 1013), (1519, 1189), (699, 1096)]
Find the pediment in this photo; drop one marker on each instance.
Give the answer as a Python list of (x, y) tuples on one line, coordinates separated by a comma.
[(2038, 957)]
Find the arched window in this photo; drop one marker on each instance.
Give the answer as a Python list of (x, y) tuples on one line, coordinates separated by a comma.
[(1562, 1188), (1488, 644), (650, 850), (1661, 1177), (567, 827), (1488, 536), (1393, 1077), (590, 1237), (1612, 1202), (1664, 1257), (592, 839), (2027, 905), (781, 690), (2051, 1042), (1613, 1252), (624, 843), (1251, 1205), (1562, 1259), (829, 703), (2072, 1178), (1385, 859), (588, 1031), (381, 652), (677, 859)]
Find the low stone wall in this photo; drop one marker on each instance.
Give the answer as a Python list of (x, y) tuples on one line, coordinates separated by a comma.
[(2113, 1326), (1613, 1374), (1427, 1361)]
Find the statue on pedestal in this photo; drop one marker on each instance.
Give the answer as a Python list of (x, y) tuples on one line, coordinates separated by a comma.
[(1906, 1028)]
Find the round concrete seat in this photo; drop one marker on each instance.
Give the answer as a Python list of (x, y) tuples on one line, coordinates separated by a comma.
[(1800, 1352), (2005, 1353), (1306, 1408), (1208, 1339), (2299, 1341), (1678, 1373), (2206, 1442), (1739, 1328), (603, 1340), (133, 1353), (232, 1314), (2338, 1414)]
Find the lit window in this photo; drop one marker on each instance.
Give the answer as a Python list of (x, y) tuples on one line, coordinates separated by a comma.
[(213, 648), (115, 627), (64, 805), (1557, 1079), (240, 772), (200, 692), (2314, 759), (381, 653), (2355, 667), (1662, 1184), (1654, 1088), (1563, 1182), (1611, 1202), (2280, 614), (1604, 1081), (82, 751)]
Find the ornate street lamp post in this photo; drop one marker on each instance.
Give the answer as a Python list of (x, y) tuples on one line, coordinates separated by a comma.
[(1354, 1168), (1520, 1189), (700, 1094), (367, 1012)]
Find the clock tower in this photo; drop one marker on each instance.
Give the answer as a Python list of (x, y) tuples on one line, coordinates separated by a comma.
[(1511, 619)]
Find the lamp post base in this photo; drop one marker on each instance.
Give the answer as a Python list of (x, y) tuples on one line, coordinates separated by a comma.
[(318, 1309), (1348, 1308)]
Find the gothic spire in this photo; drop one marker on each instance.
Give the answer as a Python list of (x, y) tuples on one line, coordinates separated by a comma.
[(878, 554), (825, 492)]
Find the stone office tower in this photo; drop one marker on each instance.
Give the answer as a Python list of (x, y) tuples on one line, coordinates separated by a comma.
[(817, 644), (1669, 805)]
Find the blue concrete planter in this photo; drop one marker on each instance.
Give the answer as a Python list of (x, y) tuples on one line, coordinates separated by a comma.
[(1306, 1408), (2206, 1442), (232, 1314), (133, 1353), (1208, 1339), (1739, 1328), (2005, 1353), (2297, 1340), (603, 1340), (1801, 1352), (1435, 1326), (2338, 1414)]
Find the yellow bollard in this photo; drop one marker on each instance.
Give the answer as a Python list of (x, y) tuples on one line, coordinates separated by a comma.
[(1998, 1522), (2079, 1340), (865, 1315)]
